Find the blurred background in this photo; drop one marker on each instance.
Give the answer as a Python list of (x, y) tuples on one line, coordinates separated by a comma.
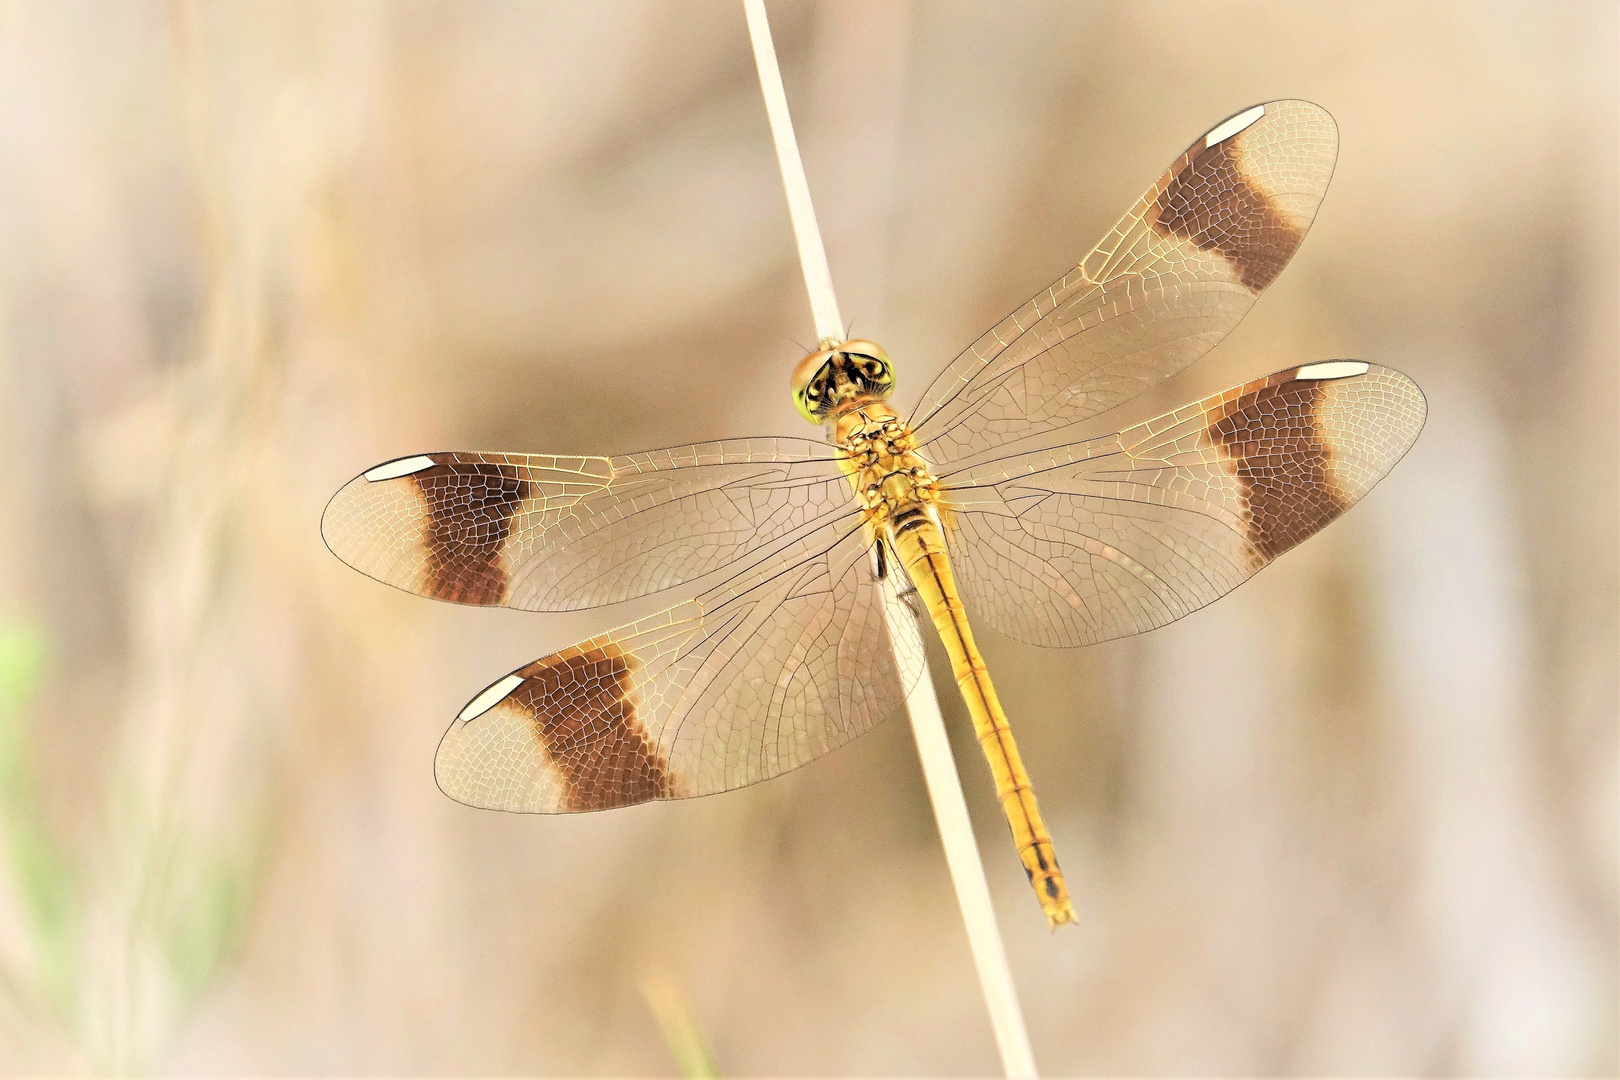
[(1360, 817)]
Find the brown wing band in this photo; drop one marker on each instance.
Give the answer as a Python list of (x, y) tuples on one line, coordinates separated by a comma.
[(1282, 459), (1208, 200), (585, 717), (469, 513)]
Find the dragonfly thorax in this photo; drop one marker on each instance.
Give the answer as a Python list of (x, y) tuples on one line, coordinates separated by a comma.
[(893, 483), (840, 377)]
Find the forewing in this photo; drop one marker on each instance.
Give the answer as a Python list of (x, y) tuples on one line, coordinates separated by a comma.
[(1119, 535), (751, 679), (1168, 282), (548, 533)]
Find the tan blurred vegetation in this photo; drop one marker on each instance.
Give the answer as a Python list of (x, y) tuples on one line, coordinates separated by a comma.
[(1358, 818)]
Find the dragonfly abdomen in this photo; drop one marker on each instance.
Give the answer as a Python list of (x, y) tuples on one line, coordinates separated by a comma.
[(921, 551)]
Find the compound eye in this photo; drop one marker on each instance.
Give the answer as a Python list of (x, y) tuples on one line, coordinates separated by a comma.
[(873, 369)]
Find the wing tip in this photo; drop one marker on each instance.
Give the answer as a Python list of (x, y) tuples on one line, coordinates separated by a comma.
[(1327, 371), (392, 469), (1247, 117), (1404, 406), (329, 516)]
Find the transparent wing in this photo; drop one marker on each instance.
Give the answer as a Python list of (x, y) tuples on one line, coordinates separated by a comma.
[(1121, 534), (1168, 282), (755, 677), (548, 533)]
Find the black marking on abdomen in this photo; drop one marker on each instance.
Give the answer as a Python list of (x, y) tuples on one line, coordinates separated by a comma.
[(908, 520)]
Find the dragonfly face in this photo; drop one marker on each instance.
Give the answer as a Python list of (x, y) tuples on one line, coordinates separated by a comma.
[(786, 642), (834, 379)]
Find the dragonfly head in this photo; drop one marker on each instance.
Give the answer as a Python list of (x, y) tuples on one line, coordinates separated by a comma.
[(838, 375)]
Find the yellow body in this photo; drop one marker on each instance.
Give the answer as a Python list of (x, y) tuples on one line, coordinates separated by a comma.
[(897, 490)]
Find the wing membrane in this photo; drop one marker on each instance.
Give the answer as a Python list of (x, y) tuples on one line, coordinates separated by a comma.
[(755, 677), (1169, 281), (547, 533), (1121, 534)]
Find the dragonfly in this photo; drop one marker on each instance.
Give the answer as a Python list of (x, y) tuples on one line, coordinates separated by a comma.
[(806, 567)]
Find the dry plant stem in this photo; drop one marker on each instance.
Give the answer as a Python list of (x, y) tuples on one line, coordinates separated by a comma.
[(927, 725), (972, 893), (806, 233)]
